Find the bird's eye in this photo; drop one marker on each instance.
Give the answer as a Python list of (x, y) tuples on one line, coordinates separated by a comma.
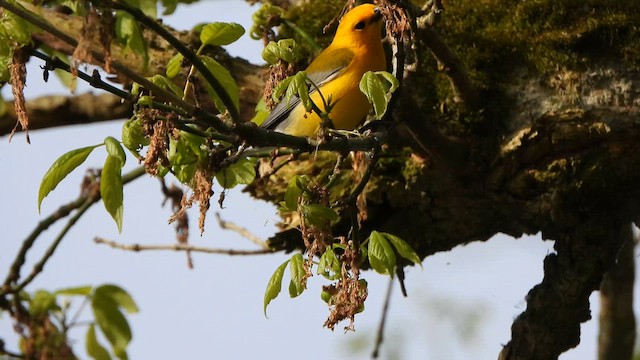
[(360, 25)]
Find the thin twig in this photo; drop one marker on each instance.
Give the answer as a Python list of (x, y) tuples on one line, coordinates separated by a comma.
[(39, 266), (156, 27), (10, 354), (375, 155), (52, 63), (227, 225), (60, 213), (157, 90), (180, 247), (383, 320), (454, 68)]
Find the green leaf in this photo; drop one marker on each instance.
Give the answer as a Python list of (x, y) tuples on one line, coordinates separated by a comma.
[(133, 136), (112, 323), (381, 255), (403, 248), (149, 8), (166, 84), (295, 85), (6, 55), (376, 92), (3, 106), (225, 79), (94, 348), (318, 215), (285, 50), (326, 297), (115, 149), (261, 112), (111, 189), (129, 34), (281, 89), (187, 149), (80, 290), (41, 303), (329, 265), (220, 33), (298, 275), (169, 6), (241, 172), (274, 286), (298, 87), (174, 65), (60, 169), (389, 79), (118, 295), (292, 194), (15, 29)]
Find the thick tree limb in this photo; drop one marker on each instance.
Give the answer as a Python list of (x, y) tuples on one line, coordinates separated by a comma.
[(616, 340), (60, 110), (557, 306)]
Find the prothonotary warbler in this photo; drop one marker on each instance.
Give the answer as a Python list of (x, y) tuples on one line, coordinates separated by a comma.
[(355, 49)]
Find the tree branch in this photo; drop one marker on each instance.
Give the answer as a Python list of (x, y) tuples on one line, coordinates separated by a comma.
[(59, 110), (616, 339), (227, 225), (555, 308), (181, 247)]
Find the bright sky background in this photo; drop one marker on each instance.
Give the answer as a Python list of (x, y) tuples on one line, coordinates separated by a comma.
[(460, 306)]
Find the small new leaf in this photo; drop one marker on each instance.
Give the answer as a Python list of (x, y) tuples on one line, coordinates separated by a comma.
[(292, 194), (329, 266), (378, 87), (15, 29), (319, 215), (403, 248), (133, 136), (129, 34), (165, 83), (112, 323), (41, 303), (111, 189), (149, 7), (174, 65), (285, 50), (299, 88), (94, 348), (106, 302), (75, 291), (115, 149), (220, 33), (241, 172), (298, 275), (60, 169), (118, 295), (225, 79), (274, 286), (381, 255)]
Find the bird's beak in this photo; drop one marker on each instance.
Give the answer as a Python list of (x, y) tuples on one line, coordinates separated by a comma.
[(377, 15)]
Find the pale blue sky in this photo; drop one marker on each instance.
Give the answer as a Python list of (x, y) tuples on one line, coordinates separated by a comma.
[(215, 310)]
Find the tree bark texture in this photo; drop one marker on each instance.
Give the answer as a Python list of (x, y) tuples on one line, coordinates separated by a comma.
[(616, 340), (547, 142)]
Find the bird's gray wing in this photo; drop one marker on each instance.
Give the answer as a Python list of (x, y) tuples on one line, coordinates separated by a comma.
[(278, 119)]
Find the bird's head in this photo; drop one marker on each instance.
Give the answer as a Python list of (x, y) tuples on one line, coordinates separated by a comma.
[(360, 26)]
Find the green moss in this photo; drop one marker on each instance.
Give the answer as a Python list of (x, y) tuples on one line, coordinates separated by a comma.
[(491, 35), (311, 17)]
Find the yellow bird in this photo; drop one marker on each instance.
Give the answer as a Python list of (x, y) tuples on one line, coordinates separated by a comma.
[(355, 49)]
